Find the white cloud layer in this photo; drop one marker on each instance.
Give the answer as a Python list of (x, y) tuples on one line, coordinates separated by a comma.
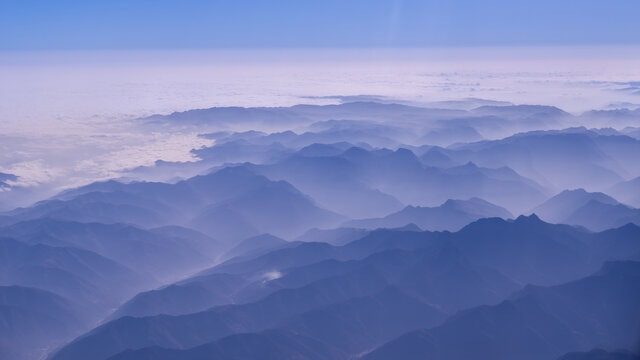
[(68, 118)]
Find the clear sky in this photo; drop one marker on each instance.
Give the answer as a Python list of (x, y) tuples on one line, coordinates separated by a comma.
[(165, 24)]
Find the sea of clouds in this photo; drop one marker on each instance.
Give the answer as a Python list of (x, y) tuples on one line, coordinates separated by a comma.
[(69, 118)]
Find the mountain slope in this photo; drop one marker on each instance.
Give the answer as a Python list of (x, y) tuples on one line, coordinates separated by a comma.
[(276, 208), (32, 321), (438, 275), (269, 345), (76, 274), (536, 323), (597, 216), (144, 251), (627, 191), (254, 246), (452, 216), (559, 159), (594, 211), (562, 205)]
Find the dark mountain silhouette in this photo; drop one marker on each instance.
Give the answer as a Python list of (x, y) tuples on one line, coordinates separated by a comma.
[(199, 328), (349, 326), (534, 251), (452, 216), (615, 244), (527, 249), (361, 323), (437, 275), (187, 269), (536, 323)]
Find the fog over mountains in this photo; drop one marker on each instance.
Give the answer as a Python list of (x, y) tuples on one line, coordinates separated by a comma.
[(365, 229)]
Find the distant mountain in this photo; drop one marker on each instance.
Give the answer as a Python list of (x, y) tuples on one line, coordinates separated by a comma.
[(32, 321), (281, 258), (334, 182), (4, 178), (188, 296), (338, 236), (634, 132), (452, 216), (561, 206), (532, 251), (237, 254), (619, 117), (523, 111), (298, 115), (206, 245), (226, 116), (146, 252), (81, 275), (558, 159), (627, 191), (451, 135), (436, 158), (239, 151), (229, 204), (357, 183), (378, 122), (255, 246), (597, 216), (277, 208), (97, 206), (594, 211), (318, 149), (363, 184), (536, 323)]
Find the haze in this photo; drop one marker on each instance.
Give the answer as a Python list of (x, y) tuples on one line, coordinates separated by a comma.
[(390, 179)]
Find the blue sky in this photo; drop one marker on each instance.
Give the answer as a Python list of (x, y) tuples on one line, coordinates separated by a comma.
[(165, 24)]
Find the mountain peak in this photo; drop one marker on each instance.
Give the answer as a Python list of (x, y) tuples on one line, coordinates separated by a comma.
[(531, 219)]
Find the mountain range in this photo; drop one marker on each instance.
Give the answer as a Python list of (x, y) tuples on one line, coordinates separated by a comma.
[(366, 229)]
